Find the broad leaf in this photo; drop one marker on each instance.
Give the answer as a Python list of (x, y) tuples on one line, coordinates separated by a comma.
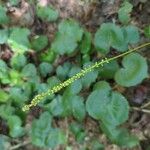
[(3, 96), (62, 71), (134, 71), (124, 12), (119, 136), (108, 70), (90, 77), (4, 73), (67, 38), (44, 135), (18, 61), (39, 42), (14, 123), (47, 13), (131, 34), (112, 108), (4, 19), (109, 35), (18, 40), (45, 69), (78, 108), (55, 138)]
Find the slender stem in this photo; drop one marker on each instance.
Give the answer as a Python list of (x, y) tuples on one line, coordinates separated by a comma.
[(57, 88), (20, 145), (141, 110)]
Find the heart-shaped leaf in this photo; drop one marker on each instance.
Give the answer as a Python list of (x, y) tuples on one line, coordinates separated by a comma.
[(134, 71), (109, 35), (67, 38)]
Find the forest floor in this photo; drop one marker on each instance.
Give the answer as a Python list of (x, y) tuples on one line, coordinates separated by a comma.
[(91, 14)]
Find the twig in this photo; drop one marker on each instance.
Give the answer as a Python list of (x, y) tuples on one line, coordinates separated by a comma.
[(20, 145), (141, 110), (146, 105)]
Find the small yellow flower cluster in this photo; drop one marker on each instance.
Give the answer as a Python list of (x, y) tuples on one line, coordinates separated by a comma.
[(57, 88)]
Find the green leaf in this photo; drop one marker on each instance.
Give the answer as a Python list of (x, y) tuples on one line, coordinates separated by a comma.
[(14, 123), (6, 111), (131, 34), (78, 108), (3, 36), (124, 12), (15, 77), (3, 96), (4, 73), (4, 19), (43, 135), (18, 40), (18, 96), (134, 71), (45, 69), (39, 42), (108, 70), (117, 110), (97, 103), (112, 108), (55, 138), (119, 136), (75, 87), (29, 71), (48, 56), (109, 35), (52, 81), (40, 129), (90, 77), (62, 71), (67, 38), (18, 61), (55, 107), (147, 31), (102, 85), (86, 42), (78, 131), (47, 13)]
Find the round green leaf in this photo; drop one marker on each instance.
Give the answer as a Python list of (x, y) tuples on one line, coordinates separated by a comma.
[(3, 96), (97, 103), (39, 42), (47, 13), (117, 110), (131, 34), (108, 70), (18, 40), (14, 123), (18, 61), (124, 12), (109, 35), (45, 68), (67, 38), (134, 71)]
